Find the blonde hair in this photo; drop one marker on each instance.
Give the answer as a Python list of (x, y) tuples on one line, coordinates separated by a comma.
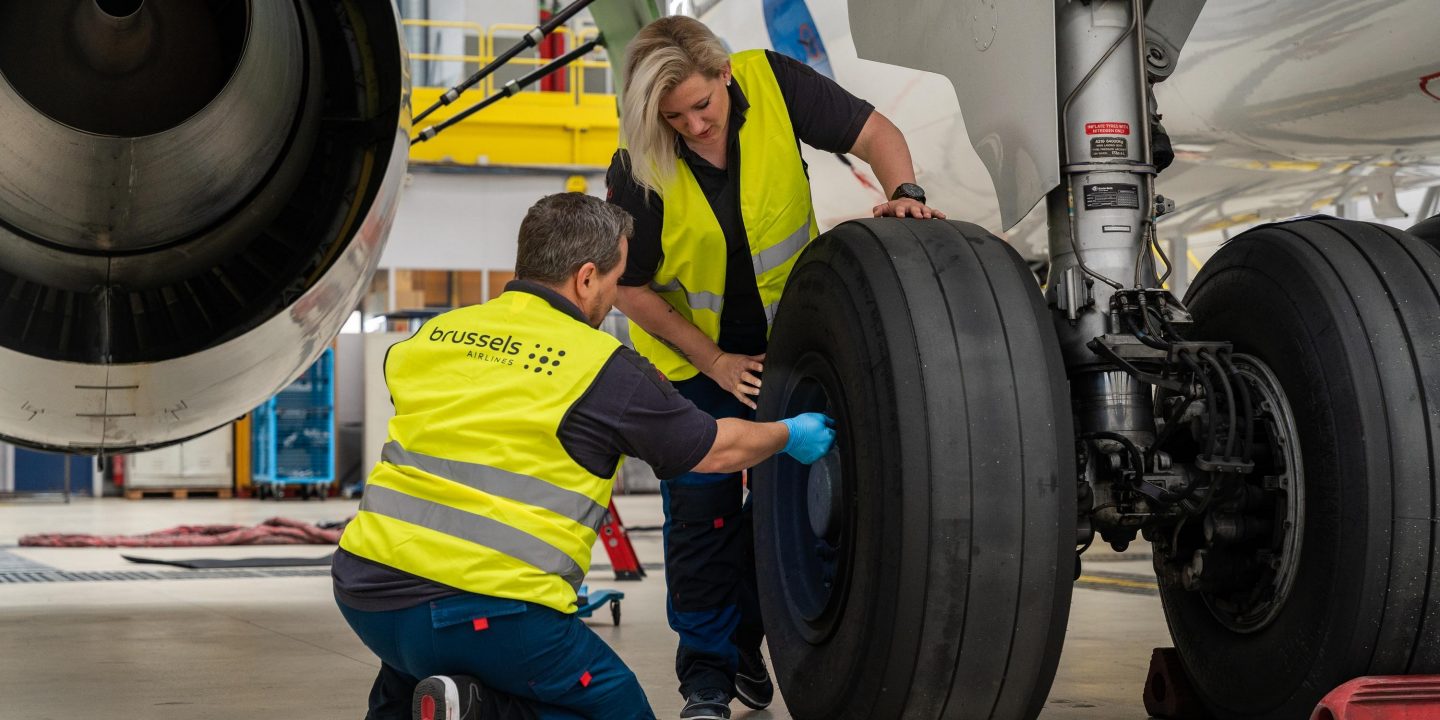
[(663, 54)]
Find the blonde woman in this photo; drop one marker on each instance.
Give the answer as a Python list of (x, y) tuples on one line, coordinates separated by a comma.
[(712, 173)]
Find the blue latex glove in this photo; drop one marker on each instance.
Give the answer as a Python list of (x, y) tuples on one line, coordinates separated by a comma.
[(811, 436)]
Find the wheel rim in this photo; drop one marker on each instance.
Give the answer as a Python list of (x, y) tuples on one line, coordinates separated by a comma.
[(1286, 481), (814, 509), (1245, 576)]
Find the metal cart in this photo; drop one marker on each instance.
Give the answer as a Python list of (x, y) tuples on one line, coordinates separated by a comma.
[(293, 440)]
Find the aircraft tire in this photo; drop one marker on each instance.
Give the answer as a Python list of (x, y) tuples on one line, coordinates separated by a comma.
[(1428, 230), (935, 582), (1347, 316)]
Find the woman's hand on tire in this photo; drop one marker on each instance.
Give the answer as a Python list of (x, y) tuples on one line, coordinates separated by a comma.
[(738, 375)]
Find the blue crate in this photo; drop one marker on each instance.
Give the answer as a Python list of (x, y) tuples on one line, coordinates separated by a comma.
[(293, 435)]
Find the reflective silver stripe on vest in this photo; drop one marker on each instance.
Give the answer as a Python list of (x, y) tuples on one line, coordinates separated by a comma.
[(770, 312), (473, 528), (779, 254), (503, 483), (698, 300)]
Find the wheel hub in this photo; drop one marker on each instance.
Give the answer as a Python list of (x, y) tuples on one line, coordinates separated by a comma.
[(811, 506), (1243, 554), (824, 488)]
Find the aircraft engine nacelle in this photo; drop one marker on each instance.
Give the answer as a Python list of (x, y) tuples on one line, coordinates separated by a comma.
[(193, 197)]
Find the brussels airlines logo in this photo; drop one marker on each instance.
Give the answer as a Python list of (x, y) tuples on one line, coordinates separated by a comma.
[(507, 345), (544, 359), (497, 349), (489, 348)]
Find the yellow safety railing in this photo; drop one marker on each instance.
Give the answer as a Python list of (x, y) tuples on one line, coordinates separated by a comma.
[(501, 36), (575, 128)]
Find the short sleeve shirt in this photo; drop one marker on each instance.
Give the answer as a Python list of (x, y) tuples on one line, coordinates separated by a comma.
[(629, 409), (824, 116)]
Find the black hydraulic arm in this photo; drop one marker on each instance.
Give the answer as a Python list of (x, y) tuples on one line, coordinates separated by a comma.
[(512, 87)]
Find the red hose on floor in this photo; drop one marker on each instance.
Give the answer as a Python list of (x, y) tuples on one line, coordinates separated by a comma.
[(275, 531)]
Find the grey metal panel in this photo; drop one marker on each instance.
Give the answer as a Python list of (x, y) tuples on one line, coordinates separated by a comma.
[(1000, 56), (41, 399), (1167, 26), (619, 21), (7, 468)]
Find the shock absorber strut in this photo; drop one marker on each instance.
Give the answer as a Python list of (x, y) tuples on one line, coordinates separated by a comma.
[(1101, 215)]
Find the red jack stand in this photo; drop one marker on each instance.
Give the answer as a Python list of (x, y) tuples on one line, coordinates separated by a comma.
[(1168, 693), (1394, 697), (617, 545)]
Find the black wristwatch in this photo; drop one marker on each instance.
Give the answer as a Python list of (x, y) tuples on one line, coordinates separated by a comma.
[(909, 190)]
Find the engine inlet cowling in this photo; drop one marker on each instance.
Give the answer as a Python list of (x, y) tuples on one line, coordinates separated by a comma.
[(192, 195)]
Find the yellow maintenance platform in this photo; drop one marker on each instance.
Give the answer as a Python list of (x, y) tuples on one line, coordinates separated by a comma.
[(575, 128)]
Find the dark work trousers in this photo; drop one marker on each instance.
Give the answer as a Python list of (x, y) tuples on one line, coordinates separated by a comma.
[(535, 663), (710, 561)]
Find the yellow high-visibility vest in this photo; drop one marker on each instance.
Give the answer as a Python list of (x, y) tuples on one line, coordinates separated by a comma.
[(474, 489), (775, 206)]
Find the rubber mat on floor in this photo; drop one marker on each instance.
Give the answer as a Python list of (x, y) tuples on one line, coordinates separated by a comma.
[(67, 576), (10, 562), (214, 563)]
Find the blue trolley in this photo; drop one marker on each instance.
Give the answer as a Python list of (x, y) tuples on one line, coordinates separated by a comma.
[(293, 441)]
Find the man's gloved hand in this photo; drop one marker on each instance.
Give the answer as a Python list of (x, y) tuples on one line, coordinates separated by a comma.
[(811, 436)]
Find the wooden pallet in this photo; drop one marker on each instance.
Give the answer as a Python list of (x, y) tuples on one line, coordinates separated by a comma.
[(176, 493)]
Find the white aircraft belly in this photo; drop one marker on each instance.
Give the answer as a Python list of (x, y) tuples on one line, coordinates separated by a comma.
[(1331, 82), (1319, 80)]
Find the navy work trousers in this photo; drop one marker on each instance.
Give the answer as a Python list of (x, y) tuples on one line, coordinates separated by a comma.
[(710, 561), (536, 663)]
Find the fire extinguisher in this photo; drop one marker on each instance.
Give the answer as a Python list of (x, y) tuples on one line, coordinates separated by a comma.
[(551, 47)]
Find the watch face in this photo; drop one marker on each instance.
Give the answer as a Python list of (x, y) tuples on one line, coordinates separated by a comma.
[(909, 190)]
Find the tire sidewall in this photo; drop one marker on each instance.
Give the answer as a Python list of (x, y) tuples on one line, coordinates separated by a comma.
[(1307, 335)]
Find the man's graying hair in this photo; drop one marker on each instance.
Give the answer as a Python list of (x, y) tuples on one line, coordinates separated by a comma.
[(563, 232)]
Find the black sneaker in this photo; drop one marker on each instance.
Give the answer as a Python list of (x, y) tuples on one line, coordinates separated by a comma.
[(447, 697), (752, 681), (706, 705)]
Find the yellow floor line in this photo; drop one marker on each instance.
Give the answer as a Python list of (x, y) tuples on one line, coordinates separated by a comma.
[(1118, 582)]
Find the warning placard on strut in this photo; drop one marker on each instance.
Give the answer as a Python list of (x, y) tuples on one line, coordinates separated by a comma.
[(1108, 147), (1112, 195), (1107, 128)]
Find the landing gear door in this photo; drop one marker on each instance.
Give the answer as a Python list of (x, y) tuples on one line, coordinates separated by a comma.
[(1000, 56)]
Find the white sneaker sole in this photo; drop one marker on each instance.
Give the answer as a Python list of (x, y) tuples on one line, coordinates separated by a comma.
[(451, 708), (745, 698)]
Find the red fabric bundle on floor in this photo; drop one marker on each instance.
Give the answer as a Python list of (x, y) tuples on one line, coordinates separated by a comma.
[(275, 531)]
